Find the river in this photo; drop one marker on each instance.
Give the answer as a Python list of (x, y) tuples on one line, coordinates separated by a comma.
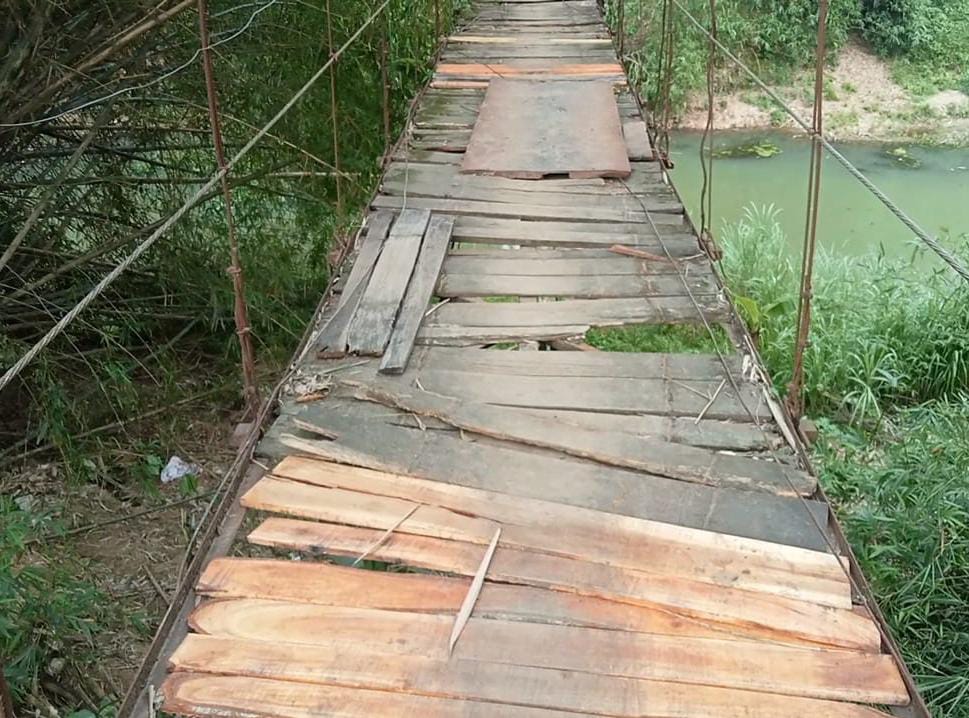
[(931, 184)]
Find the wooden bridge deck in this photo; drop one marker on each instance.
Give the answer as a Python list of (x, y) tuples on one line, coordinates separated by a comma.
[(658, 551)]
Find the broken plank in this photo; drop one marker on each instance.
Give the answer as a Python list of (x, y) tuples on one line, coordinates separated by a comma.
[(686, 587), (548, 318), (309, 587), (426, 271), (333, 337), (369, 437), (656, 457), (637, 140), (373, 321), (669, 397), (588, 529), (614, 365)]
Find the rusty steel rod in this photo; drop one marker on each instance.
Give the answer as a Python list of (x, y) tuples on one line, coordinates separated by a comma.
[(795, 393), (241, 310), (334, 112)]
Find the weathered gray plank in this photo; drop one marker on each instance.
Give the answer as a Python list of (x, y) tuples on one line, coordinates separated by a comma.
[(580, 134), (446, 456), (616, 365), (659, 458), (333, 337), (373, 321), (637, 140), (671, 397), (436, 241), (659, 198), (587, 312), (592, 286), (531, 211), (563, 263)]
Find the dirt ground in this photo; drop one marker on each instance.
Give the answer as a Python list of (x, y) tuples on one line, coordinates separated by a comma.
[(863, 102), (134, 564)]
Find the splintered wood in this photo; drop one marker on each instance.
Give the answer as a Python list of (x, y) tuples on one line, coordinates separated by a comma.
[(468, 523), (710, 623), (530, 129)]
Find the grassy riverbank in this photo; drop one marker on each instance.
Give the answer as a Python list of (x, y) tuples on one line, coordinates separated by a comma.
[(888, 383)]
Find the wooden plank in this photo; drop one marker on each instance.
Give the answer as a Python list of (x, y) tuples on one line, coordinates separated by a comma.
[(587, 529), (333, 337), (657, 199), (637, 140), (686, 589), (656, 457), (419, 291), (589, 286), (518, 39), (612, 365), (581, 135), (685, 398), (235, 697), (559, 263), (504, 321), (447, 177), (746, 665), (461, 558), (497, 683), (509, 70), (312, 586), (373, 321), (529, 211), (368, 436), (298, 600)]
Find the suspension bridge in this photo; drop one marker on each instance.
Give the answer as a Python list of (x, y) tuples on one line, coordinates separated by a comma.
[(463, 509)]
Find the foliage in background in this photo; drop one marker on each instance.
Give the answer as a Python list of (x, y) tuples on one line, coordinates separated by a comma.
[(927, 39), (887, 376), (165, 330)]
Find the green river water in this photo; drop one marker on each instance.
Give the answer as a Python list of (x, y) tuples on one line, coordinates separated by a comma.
[(931, 184)]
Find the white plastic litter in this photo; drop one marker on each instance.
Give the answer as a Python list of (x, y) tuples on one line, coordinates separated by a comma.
[(177, 468)]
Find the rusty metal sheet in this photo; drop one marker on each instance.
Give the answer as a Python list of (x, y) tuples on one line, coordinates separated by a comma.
[(529, 129)]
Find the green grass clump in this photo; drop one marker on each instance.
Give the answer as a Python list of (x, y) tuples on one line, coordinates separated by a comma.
[(884, 333), (664, 338), (887, 377), (903, 497)]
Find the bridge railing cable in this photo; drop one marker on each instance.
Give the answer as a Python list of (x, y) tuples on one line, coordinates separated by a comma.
[(931, 242), (17, 367)]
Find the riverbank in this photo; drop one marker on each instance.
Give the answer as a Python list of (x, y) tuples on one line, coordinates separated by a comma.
[(863, 102)]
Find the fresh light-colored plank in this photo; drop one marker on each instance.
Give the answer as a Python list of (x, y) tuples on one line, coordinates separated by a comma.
[(746, 665), (497, 683), (244, 697)]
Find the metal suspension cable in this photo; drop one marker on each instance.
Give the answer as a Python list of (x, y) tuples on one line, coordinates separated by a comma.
[(120, 268), (930, 241), (829, 543)]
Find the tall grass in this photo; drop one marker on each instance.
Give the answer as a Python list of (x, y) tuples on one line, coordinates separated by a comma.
[(886, 333), (888, 380)]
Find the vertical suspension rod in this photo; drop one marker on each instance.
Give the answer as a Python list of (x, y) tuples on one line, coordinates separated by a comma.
[(795, 394), (241, 311)]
